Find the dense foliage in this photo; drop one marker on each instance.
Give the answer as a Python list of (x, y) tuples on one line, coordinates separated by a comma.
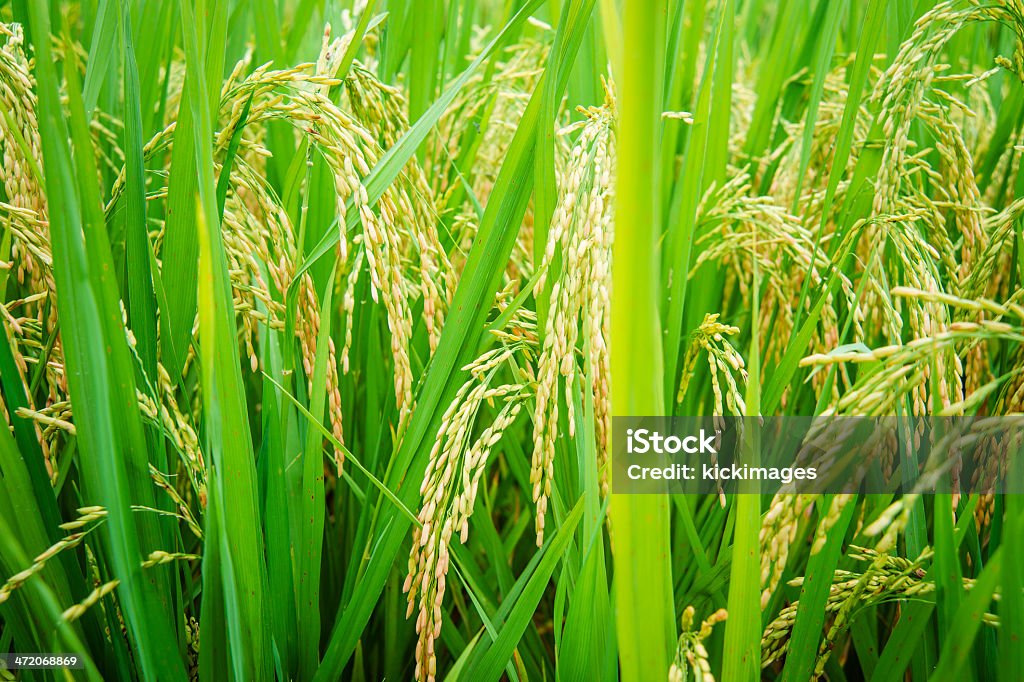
[(313, 324)]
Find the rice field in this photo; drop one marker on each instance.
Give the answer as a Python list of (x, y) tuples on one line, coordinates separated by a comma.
[(316, 314)]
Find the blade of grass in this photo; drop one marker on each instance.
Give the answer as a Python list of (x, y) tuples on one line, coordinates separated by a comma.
[(946, 565), (743, 629), (101, 52), (824, 49), (231, 470), (587, 649), (780, 56), (810, 617), (141, 299), (107, 420), (276, 511), (966, 622), (215, 662), (180, 238), (491, 656), (1011, 606), (424, 64), (311, 547)]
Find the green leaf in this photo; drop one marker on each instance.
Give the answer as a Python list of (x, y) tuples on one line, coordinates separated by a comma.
[(101, 52), (180, 238), (142, 301), (311, 547), (966, 622), (98, 366), (810, 618), (490, 656), (231, 468)]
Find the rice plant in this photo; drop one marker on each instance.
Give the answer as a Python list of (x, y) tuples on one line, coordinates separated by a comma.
[(316, 315)]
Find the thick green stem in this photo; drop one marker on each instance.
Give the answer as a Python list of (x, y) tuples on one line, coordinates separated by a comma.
[(645, 614)]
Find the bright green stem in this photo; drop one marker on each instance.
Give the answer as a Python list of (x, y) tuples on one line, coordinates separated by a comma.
[(743, 629), (642, 571)]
